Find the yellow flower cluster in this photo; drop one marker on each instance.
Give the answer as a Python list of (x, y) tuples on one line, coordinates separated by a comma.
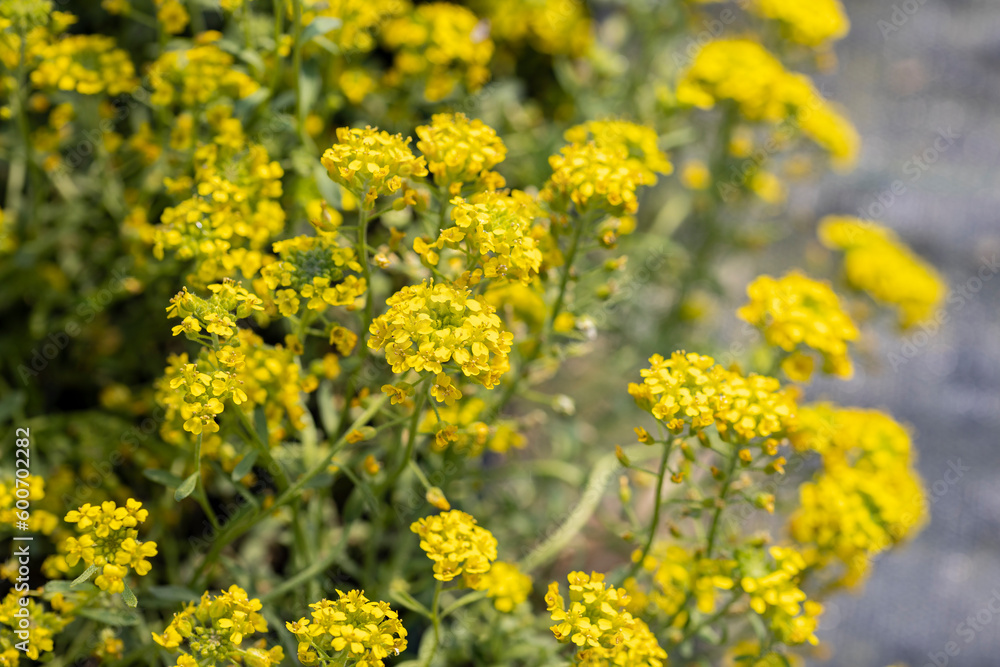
[(777, 596), (214, 630), (215, 315), (232, 211), (245, 371), (461, 152), (677, 574), (313, 269), (506, 585), (641, 142), (172, 15), (88, 64), (108, 541), (457, 546), (359, 20), (428, 325), (598, 623), (442, 44), (744, 72), (603, 167), (556, 27), (371, 164), (689, 390), (867, 497), (198, 76), (361, 631), (795, 312), (495, 229), (813, 24), (876, 261), (460, 430), (43, 625)]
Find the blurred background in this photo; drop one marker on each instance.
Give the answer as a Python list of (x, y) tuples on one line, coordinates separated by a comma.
[(910, 72)]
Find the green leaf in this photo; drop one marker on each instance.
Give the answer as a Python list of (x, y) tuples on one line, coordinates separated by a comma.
[(186, 487), (319, 26), (129, 596), (120, 618), (87, 574), (65, 587), (162, 477), (245, 465), (173, 593), (310, 84), (260, 424)]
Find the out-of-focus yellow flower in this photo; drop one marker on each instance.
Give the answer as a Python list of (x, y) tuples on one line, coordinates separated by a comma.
[(557, 27), (457, 546), (172, 15), (441, 44), (69, 64), (461, 430), (197, 76), (794, 312), (777, 596), (745, 73), (506, 585), (878, 262), (814, 24)]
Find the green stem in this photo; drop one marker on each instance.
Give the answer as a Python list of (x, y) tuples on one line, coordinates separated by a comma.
[(436, 621), (637, 563), (199, 490), (721, 504), (297, 67)]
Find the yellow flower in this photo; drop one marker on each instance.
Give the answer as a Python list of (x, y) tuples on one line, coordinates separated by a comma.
[(197, 76), (459, 151), (744, 72), (466, 434), (557, 27), (876, 261), (42, 626), (641, 143), (598, 623), (430, 325), (689, 390), (776, 596), (495, 228), (506, 585), (795, 312), (172, 15), (69, 64), (314, 268), (866, 498), (108, 541), (457, 546), (443, 45), (352, 630), (214, 630), (370, 163), (812, 24)]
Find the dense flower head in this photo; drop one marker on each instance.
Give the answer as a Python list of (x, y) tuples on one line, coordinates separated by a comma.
[(246, 372), (461, 152), (217, 314), (461, 430), (777, 596), (108, 541), (370, 163), (597, 622), (214, 630), (744, 72), (677, 573), (641, 142), (197, 76), (443, 45), (691, 391), (430, 325), (495, 229), (87, 64), (313, 270), (36, 638), (231, 210), (867, 496), (506, 585), (351, 628), (878, 262), (457, 545), (814, 24), (795, 312), (594, 177), (557, 27)]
